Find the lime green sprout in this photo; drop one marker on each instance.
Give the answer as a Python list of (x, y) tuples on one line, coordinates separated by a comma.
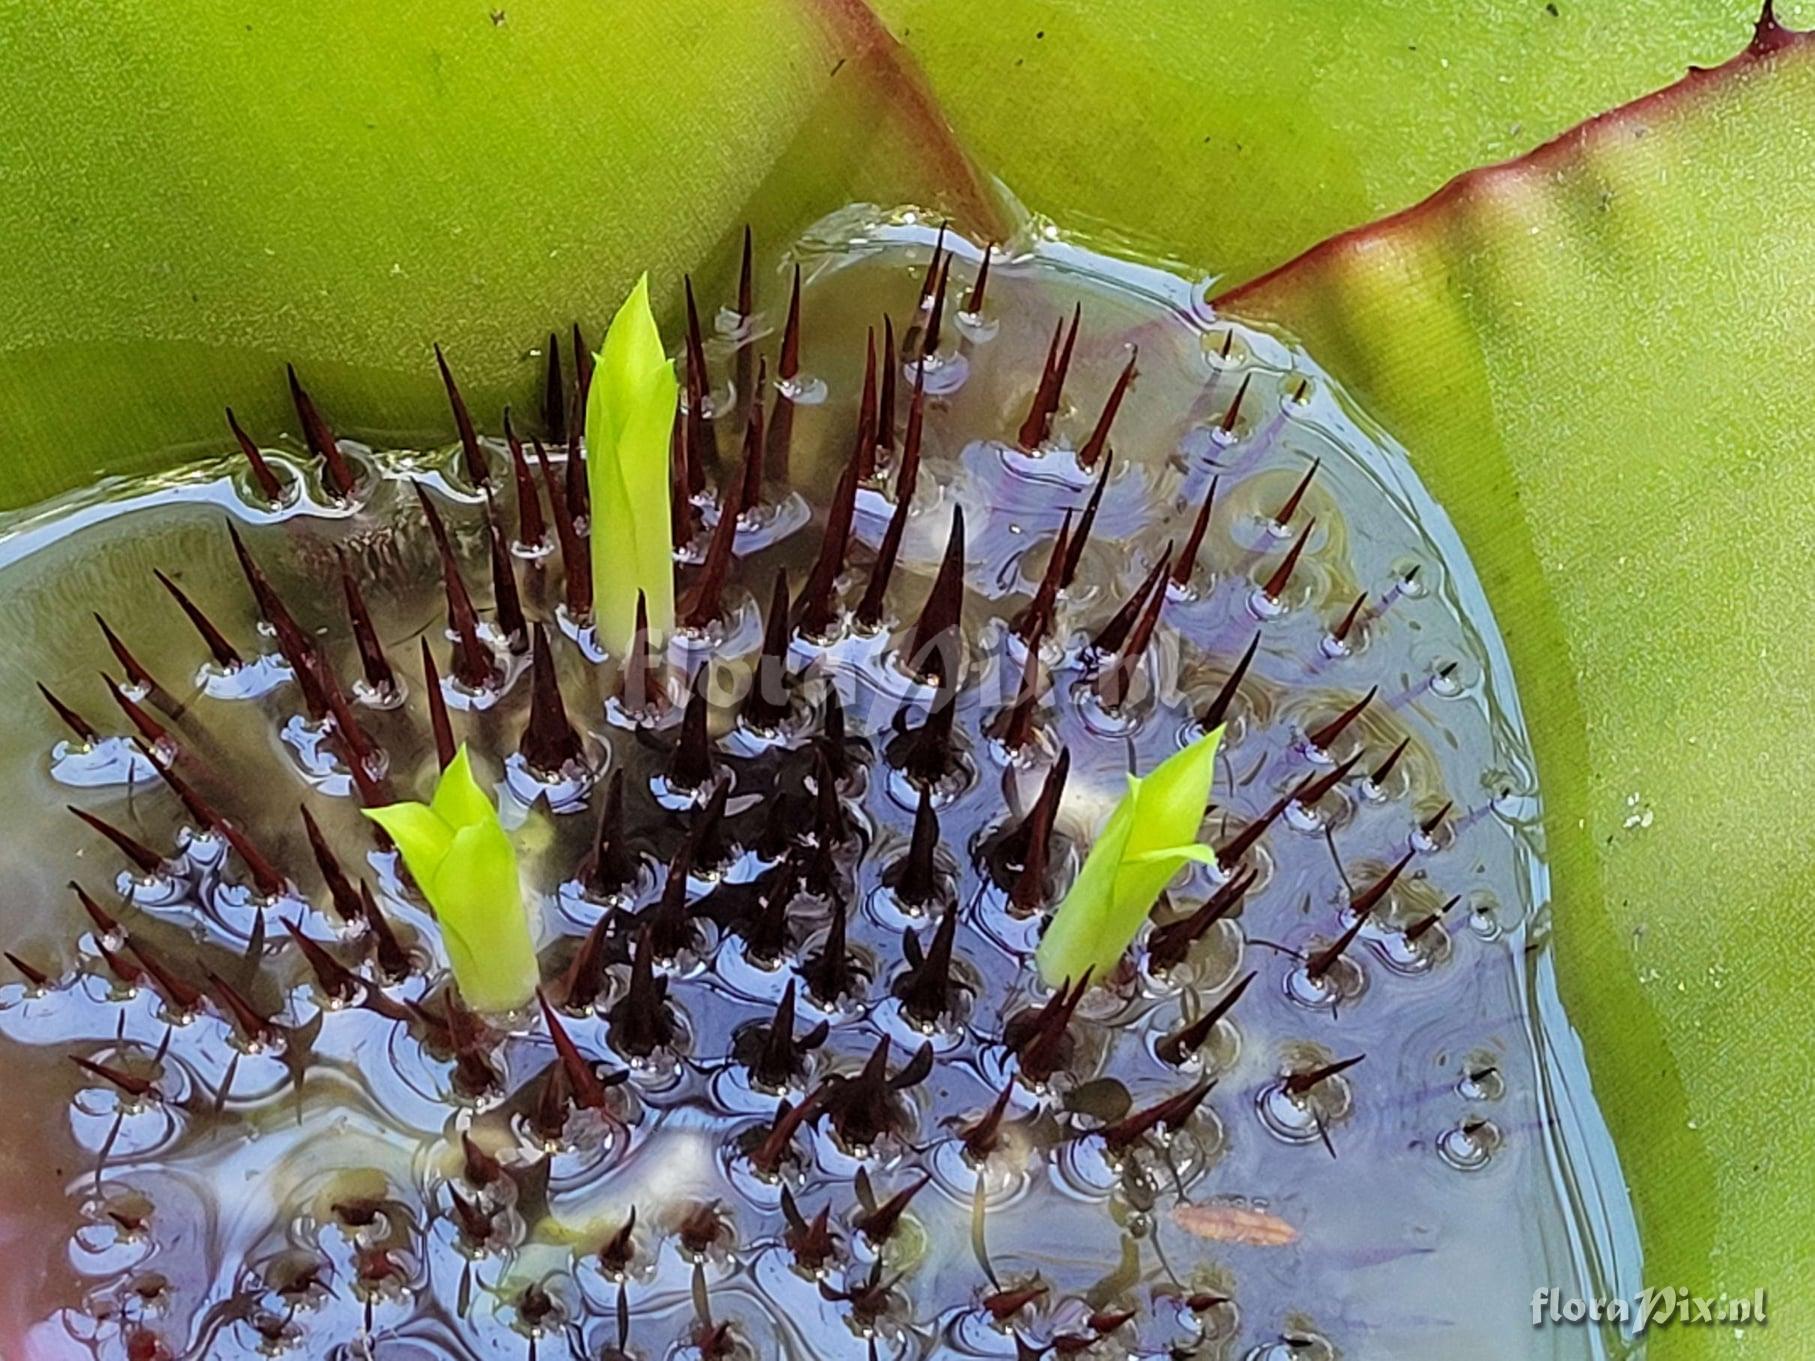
[(1151, 833), (462, 860), (630, 411)]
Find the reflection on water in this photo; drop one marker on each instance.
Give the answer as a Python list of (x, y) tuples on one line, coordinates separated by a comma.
[(345, 1180)]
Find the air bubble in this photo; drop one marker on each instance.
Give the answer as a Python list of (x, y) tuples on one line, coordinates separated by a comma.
[(1294, 1346), (1470, 1146), (1342, 983), (1481, 1079)]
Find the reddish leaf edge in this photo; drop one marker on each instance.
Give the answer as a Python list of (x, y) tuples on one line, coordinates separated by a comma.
[(1770, 40)]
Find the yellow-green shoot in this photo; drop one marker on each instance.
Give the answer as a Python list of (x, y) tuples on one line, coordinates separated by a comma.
[(463, 861), (1151, 834), (630, 409)]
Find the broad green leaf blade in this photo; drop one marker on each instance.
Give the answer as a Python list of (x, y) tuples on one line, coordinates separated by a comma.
[(198, 190), (646, 489), (630, 415), (479, 906), (1080, 939), (1237, 134), (632, 352), (459, 800), (1174, 796), (1600, 361), (463, 862), (1150, 836), (422, 838)]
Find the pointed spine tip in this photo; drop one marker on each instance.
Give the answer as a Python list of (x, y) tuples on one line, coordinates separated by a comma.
[(816, 612), (1233, 414), (937, 639), (1329, 733), (1015, 727), (507, 600), (769, 701), (973, 305), (346, 902), (1299, 1083), (129, 664), (549, 745), (372, 661), (1186, 565), (143, 858), (935, 261), (473, 457), (440, 722), (1217, 712), (916, 877), (1314, 787), (473, 665), (321, 440), (935, 317), (1099, 437), (1074, 553), (1048, 393), (1275, 586), (554, 398), (576, 559), (1177, 1047), (1289, 508), (83, 730), (223, 652), (1340, 634), (870, 608), (885, 407), (691, 767), (1112, 635), (829, 972), (33, 976), (701, 605), (1118, 685), (746, 279), (269, 485), (1230, 853)]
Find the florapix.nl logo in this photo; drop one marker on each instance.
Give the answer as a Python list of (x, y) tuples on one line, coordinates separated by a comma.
[(1655, 1307)]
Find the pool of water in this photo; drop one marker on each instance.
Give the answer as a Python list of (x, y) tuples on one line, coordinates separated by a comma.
[(313, 1192)]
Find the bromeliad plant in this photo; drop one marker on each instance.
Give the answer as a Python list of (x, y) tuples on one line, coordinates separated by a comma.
[(630, 414), (462, 859), (1632, 248), (1151, 834)]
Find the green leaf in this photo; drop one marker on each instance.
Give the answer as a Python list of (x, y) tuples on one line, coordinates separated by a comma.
[(461, 858), (1074, 942), (1599, 360), (478, 901), (1151, 834), (1233, 135), (459, 800), (199, 190), (630, 411), (422, 837)]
